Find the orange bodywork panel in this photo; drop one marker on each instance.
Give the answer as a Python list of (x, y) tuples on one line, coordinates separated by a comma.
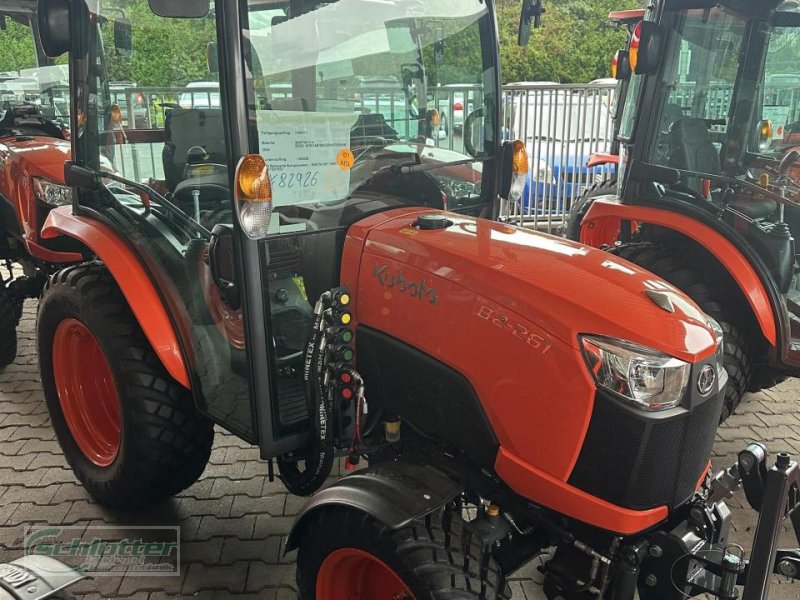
[(530, 482), (132, 279), (500, 305), (604, 216), (602, 158)]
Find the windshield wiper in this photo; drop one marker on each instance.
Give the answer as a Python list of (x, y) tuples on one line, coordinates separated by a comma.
[(90, 179)]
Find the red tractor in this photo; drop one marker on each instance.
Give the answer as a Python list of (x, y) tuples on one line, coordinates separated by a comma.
[(298, 282), (706, 198), (34, 142), (620, 70)]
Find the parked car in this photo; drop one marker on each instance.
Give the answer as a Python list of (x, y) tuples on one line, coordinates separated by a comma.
[(200, 94)]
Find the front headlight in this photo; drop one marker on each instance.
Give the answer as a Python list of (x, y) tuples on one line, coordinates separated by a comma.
[(51, 193), (642, 376)]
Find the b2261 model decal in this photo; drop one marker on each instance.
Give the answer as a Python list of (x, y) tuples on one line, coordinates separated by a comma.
[(395, 279), (511, 325)]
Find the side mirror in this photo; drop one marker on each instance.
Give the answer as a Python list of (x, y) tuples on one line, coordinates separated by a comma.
[(212, 57), (644, 52), (531, 16), (473, 127), (53, 20), (123, 36)]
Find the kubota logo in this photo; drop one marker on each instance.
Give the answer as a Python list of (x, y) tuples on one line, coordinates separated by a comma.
[(394, 279)]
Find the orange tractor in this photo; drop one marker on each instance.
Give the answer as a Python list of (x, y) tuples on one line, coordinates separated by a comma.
[(292, 276), (34, 142), (706, 198)]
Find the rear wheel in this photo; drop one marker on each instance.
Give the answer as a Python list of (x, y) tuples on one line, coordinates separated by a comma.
[(347, 554), (607, 187), (9, 318), (738, 344), (129, 431)]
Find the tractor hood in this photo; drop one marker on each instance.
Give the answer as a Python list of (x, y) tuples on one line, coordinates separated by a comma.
[(38, 156), (565, 288)]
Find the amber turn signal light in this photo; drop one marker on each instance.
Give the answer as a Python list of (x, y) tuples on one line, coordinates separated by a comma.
[(520, 158), (252, 177)]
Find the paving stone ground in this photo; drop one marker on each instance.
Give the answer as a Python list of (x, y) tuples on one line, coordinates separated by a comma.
[(233, 522)]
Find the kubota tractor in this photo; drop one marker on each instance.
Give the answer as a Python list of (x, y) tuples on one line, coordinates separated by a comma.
[(620, 70), (298, 282), (34, 142), (706, 198)]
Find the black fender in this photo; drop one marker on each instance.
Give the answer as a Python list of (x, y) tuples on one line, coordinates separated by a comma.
[(393, 493)]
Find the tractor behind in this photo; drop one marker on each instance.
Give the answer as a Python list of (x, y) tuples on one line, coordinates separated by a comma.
[(34, 142), (706, 197)]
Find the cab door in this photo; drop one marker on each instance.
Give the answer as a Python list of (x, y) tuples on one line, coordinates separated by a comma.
[(182, 152)]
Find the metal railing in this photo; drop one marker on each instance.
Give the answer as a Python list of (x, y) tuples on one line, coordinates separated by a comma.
[(562, 126)]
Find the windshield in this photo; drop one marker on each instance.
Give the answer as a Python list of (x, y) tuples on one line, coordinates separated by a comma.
[(699, 78), (378, 84), (781, 97), (26, 77)]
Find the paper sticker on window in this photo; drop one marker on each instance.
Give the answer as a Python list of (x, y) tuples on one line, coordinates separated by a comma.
[(302, 151)]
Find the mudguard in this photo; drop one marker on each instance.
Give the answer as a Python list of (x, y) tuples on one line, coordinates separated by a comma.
[(601, 158), (35, 577), (133, 280), (602, 212), (394, 493)]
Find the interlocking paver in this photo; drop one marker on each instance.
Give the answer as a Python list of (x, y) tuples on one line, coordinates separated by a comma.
[(233, 522)]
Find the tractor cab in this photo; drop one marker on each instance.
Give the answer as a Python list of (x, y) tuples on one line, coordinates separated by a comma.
[(707, 174), (292, 122)]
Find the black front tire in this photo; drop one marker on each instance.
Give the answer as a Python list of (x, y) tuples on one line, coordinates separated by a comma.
[(607, 187), (435, 556), (668, 264), (9, 317), (165, 443)]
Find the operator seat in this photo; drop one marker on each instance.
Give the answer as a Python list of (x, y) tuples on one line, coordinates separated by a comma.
[(186, 128), (691, 149)]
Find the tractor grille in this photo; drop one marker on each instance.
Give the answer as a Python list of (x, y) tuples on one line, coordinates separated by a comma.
[(641, 460)]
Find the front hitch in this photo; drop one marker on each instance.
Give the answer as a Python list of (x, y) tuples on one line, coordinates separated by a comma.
[(696, 557)]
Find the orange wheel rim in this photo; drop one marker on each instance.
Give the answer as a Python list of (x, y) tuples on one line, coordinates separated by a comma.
[(86, 392), (352, 574)]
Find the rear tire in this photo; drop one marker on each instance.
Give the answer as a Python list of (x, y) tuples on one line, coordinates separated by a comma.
[(163, 443), (434, 558), (738, 345), (9, 311), (607, 187)]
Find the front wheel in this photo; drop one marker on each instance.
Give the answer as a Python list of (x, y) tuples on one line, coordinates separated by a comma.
[(607, 187), (129, 431), (680, 272), (347, 554)]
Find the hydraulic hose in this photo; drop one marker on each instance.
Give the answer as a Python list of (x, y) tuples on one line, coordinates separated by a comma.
[(319, 453)]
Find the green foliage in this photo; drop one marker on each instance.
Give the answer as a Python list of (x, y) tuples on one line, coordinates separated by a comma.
[(573, 46), (16, 47)]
